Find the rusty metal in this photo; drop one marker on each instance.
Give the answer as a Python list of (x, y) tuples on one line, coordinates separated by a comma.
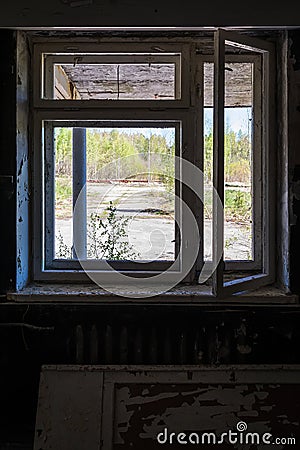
[(153, 356), (167, 346), (182, 347), (124, 345), (108, 344), (94, 357), (80, 344), (138, 346)]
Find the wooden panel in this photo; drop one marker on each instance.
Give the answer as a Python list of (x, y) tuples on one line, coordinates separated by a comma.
[(69, 410), (143, 411), (138, 403)]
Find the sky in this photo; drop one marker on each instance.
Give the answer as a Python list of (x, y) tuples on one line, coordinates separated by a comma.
[(237, 118)]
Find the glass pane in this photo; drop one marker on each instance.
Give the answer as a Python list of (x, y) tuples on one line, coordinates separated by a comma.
[(238, 226), (142, 77), (129, 206), (208, 182), (63, 193)]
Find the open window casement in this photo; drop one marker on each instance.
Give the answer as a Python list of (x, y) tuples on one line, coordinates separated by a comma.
[(262, 223)]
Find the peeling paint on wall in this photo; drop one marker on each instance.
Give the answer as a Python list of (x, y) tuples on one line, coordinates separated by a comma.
[(137, 403), (22, 224)]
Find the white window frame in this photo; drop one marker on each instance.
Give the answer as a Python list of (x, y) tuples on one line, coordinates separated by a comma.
[(50, 263), (222, 288), (160, 52), (257, 154), (100, 111), (188, 111)]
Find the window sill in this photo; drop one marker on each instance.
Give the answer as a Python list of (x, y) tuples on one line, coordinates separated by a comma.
[(87, 293)]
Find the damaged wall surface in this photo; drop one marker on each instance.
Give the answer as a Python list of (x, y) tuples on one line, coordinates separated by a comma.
[(38, 334), (147, 407)]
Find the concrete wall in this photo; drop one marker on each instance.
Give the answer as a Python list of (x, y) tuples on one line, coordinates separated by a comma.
[(120, 13)]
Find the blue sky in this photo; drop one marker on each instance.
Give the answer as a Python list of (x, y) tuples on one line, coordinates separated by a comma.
[(236, 118)]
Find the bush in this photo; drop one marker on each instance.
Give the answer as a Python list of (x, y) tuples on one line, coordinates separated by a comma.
[(107, 238), (238, 205), (239, 171)]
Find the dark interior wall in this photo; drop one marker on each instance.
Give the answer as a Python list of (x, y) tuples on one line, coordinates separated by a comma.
[(8, 158), (35, 334), (119, 13), (294, 139), (32, 335), (23, 176)]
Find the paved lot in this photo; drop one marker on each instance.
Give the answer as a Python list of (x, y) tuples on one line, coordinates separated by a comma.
[(151, 225)]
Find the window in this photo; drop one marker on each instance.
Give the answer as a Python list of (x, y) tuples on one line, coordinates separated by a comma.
[(129, 139)]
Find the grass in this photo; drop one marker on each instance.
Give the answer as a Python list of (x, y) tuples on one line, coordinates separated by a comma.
[(63, 188), (63, 198), (238, 205)]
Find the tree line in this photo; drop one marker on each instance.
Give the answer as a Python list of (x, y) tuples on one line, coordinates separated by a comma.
[(114, 154)]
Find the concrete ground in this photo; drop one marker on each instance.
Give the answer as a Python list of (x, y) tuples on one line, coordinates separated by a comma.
[(151, 225)]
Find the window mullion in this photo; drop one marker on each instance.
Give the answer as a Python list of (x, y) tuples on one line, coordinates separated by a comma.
[(79, 193), (198, 101), (257, 154), (49, 193), (218, 162)]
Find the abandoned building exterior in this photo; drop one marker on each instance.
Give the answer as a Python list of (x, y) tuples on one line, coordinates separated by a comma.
[(221, 343)]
